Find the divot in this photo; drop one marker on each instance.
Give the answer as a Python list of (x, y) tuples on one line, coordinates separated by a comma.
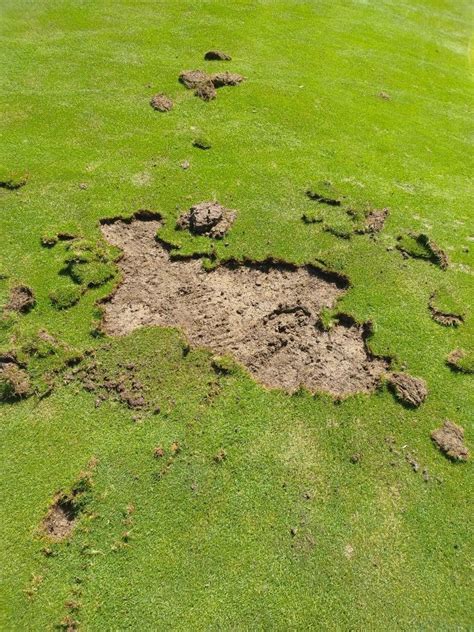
[(207, 218), (161, 102), (21, 299), (450, 440), (265, 315), (411, 391)]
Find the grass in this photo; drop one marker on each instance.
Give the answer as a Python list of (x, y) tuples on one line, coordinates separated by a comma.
[(285, 532)]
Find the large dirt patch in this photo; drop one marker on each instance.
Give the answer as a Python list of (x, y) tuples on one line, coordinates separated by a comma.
[(267, 316)]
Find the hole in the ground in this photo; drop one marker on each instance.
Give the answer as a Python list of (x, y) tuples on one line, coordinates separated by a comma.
[(266, 315)]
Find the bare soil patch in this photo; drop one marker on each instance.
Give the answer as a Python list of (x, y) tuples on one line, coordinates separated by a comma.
[(14, 380), (21, 299), (375, 220), (207, 218), (450, 440), (266, 315), (61, 518)]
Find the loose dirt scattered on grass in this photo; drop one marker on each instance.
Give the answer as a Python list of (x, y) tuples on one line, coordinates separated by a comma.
[(217, 55), (450, 440), (410, 390), (161, 102), (207, 218), (21, 299), (267, 315)]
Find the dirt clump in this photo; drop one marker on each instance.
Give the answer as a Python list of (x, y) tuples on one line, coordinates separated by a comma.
[(192, 79), (265, 315), (204, 84), (410, 390), (221, 79), (450, 440), (14, 381), (206, 91), (207, 218), (21, 299), (217, 55), (161, 102)]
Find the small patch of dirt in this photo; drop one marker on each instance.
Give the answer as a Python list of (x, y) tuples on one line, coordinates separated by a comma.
[(207, 218), (384, 95), (266, 315), (217, 55), (161, 102), (410, 390), (221, 79), (61, 518), (206, 91), (375, 221), (450, 440), (21, 299), (443, 318)]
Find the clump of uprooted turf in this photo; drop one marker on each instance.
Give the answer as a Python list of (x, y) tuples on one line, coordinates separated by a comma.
[(205, 84), (420, 246), (445, 310), (21, 299), (207, 218), (340, 217), (461, 360), (411, 391), (450, 440), (14, 380)]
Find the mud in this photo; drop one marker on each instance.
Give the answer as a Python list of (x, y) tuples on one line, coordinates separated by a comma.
[(207, 218), (411, 391), (161, 102), (450, 440), (217, 55), (265, 315), (21, 299)]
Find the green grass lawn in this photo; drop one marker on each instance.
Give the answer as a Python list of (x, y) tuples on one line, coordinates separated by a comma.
[(285, 532)]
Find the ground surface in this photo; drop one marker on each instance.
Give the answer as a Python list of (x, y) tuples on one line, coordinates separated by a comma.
[(190, 496)]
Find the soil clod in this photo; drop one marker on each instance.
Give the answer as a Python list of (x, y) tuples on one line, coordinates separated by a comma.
[(450, 440), (206, 91), (410, 390), (221, 79), (161, 102), (207, 218), (204, 84), (461, 360), (217, 55), (266, 315), (14, 381), (21, 299)]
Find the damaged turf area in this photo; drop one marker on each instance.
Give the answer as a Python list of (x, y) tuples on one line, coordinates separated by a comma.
[(267, 315)]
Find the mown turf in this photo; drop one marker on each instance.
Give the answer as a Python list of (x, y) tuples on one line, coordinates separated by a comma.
[(285, 532)]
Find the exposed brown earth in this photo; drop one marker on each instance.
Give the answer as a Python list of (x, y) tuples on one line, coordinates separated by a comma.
[(14, 381), (375, 220), (266, 315), (61, 519), (450, 440), (205, 84)]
